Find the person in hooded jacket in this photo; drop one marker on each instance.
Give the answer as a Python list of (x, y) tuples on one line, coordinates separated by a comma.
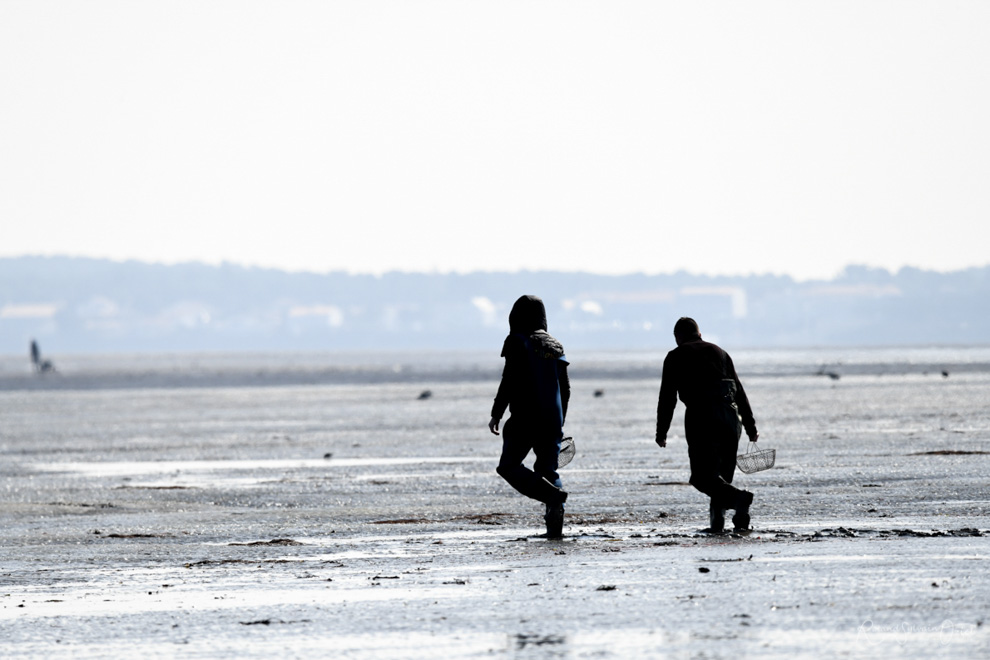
[(536, 390)]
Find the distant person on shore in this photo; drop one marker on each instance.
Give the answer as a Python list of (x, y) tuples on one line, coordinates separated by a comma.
[(717, 410), (536, 390), (40, 365)]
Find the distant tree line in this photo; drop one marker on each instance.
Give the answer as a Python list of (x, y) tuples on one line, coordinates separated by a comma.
[(94, 305)]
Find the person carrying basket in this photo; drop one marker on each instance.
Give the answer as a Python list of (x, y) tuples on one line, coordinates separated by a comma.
[(717, 410), (535, 388)]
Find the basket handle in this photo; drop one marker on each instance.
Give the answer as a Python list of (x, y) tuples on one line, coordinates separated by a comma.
[(751, 447)]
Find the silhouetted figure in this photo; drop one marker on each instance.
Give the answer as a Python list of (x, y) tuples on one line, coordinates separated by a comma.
[(535, 389), (703, 375), (40, 365)]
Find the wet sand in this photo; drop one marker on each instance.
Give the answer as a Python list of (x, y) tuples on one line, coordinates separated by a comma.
[(360, 521)]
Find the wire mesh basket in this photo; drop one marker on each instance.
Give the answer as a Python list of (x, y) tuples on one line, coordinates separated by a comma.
[(756, 459), (567, 450)]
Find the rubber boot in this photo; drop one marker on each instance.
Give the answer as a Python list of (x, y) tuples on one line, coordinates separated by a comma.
[(555, 520), (741, 519), (554, 516)]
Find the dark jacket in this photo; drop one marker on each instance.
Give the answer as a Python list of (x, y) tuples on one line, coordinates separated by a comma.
[(702, 374), (534, 385)]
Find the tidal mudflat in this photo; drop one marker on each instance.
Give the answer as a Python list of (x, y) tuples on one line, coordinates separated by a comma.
[(361, 520)]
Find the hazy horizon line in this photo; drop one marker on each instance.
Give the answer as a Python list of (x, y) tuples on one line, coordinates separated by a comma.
[(454, 271)]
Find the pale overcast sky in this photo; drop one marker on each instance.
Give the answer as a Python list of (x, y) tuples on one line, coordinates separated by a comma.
[(613, 137)]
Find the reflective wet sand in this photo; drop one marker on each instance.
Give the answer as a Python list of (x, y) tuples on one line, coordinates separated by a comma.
[(359, 521)]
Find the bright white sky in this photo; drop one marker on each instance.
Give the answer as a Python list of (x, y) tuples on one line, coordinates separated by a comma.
[(612, 137)]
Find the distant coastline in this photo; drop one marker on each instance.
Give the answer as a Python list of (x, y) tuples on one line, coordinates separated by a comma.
[(79, 305)]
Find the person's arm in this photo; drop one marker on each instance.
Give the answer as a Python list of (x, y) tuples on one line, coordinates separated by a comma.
[(504, 387), (742, 403), (502, 396), (564, 383), (667, 400)]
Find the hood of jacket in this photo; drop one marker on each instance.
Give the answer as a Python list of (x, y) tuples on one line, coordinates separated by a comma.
[(529, 319), (527, 316)]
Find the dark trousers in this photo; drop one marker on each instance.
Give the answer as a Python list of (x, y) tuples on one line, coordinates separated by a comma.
[(713, 434), (542, 482)]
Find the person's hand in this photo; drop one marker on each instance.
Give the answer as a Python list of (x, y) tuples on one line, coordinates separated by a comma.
[(662, 442), (493, 425), (753, 437)]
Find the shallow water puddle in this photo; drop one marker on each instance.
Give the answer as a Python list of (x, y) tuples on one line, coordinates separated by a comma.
[(265, 639), (84, 602), (397, 476), (128, 468), (876, 637), (464, 536), (863, 558), (411, 545)]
